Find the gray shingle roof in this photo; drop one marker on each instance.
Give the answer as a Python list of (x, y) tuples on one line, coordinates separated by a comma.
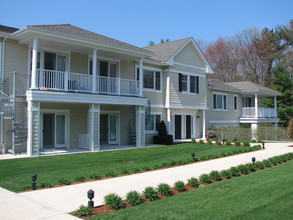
[(162, 52), (250, 86), (68, 29), (8, 30), (216, 84)]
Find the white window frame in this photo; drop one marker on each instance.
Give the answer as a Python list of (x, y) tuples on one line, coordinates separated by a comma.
[(223, 104), (99, 59), (154, 122), (154, 70), (237, 105), (188, 84)]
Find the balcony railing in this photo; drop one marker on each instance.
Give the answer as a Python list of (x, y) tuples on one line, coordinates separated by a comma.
[(78, 82), (249, 112)]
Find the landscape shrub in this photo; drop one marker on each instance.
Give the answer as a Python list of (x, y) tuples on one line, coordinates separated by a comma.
[(164, 189), (64, 181), (202, 158), (179, 185), (209, 141), (110, 174), (193, 182), (83, 211), (193, 140), (136, 170), (134, 198), (156, 166), (215, 175), (215, 139), (218, 143), (145, 168), (251, 167), (205, 179), (259, 165), (267, 163), (228, 143), (243, 168), (237, 143), (150, 193), (114, 201), (234, 171), (125, 171), (260, 141), (79, 179), (253, 141), (201, 141), (210, 134), (226, 173), (246, 143), (46, 184), (172, 162), (223, 154)]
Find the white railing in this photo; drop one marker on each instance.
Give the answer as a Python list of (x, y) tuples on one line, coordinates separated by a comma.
[(78, 82), (249, 112)]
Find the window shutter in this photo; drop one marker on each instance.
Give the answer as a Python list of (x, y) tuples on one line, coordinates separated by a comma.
[(180, 82), (197, 84), (225, 105), (215, 101), (192, 85)]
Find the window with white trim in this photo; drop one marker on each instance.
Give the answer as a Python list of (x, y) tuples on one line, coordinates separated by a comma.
[(152, 122), (219, 101), (151, 79), (188, 83), (235, 100)]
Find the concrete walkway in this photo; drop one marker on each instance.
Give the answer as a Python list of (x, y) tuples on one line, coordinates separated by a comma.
[(55, 202)]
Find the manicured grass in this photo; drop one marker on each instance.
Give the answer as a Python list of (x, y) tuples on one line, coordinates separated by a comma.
[(16, 174), (265, 194)]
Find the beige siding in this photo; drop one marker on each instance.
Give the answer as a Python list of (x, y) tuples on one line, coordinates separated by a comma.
[(189, 56), (228, 115), (16, 59), (187, 69), (127, 69), (182, 99), (79, 63)]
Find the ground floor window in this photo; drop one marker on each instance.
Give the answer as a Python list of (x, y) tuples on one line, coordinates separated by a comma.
[(152, 122)]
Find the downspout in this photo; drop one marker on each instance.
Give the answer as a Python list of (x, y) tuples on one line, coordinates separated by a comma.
[(2, 81)]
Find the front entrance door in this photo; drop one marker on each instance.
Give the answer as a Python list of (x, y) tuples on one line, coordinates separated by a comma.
[(109, 128), (48, 130), (177, 126), (188, 127)]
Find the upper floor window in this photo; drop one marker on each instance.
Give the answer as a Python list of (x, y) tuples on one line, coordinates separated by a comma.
[(235, 103), (151, 79), (219, 101), (105, 68), (188, 83)]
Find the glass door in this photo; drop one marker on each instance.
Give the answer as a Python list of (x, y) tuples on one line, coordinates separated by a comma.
[(113, 128), (48, 130), (60, 130)]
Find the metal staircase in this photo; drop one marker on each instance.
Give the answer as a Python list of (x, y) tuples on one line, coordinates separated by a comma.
[(16, 130)]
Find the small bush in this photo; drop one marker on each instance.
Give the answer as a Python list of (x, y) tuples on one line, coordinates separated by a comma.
[(145, 168), (94, 177), (136, 170), (205, 179), (164, 189), (237, 143), (202, 158), (243, 169), (110, 174), (223, 154), (150, 193), (251, 167), (134, 198), (46, 184), (267, 163), (64, 181), (172, 163), (215, 175), (83, 211), (246, 143), (253, 141), (228, 143), (114, 201), (156, 166), (210, 134), (179, 185), (193, 182), (259, 165), (215, 139), (125, 171), (193, 140), (226, 173), (209, 141), (218, 143), (260, 141), (234, 171), (79, 179), (201, 141)]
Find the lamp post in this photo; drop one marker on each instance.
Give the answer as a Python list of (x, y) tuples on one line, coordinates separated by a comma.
[(193, 156), (90, 195), (253, 159), (263, 145), (34, 184)]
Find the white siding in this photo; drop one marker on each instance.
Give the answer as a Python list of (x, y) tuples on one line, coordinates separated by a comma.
[(189, 56)]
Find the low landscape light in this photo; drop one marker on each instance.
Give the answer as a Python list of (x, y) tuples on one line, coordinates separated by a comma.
[(263, 145), (34, 184), (253, 159), (91, 195)]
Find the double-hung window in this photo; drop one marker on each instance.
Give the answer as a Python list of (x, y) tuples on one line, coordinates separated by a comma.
[(235, 99), (219, 101), (188, 83), (152, 122), (151, 79)]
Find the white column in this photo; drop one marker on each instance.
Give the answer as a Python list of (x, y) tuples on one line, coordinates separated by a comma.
[(94, 89), (256, 106), (94, 126), (34, 64), (275, 106), (33, 128), (140, 77), (203, 124), (139, 112), (254, 131), (169, 121)]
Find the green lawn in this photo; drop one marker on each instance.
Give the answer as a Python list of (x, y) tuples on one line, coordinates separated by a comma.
[(266, 194), (16, 174)]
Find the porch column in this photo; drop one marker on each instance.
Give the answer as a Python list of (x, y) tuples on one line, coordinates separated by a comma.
[(256, 105), (140, 77), (33, 128), (203, 124), (94, 85), (169, 121), (34, 64), (94, 136), (140, 126), (275, 106), (254, 131)]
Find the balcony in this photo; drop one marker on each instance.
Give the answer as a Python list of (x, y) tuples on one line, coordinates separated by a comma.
[(249, 112), (83, 83)]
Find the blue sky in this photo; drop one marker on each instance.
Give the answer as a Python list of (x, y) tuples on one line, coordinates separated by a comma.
[(139, 21)]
